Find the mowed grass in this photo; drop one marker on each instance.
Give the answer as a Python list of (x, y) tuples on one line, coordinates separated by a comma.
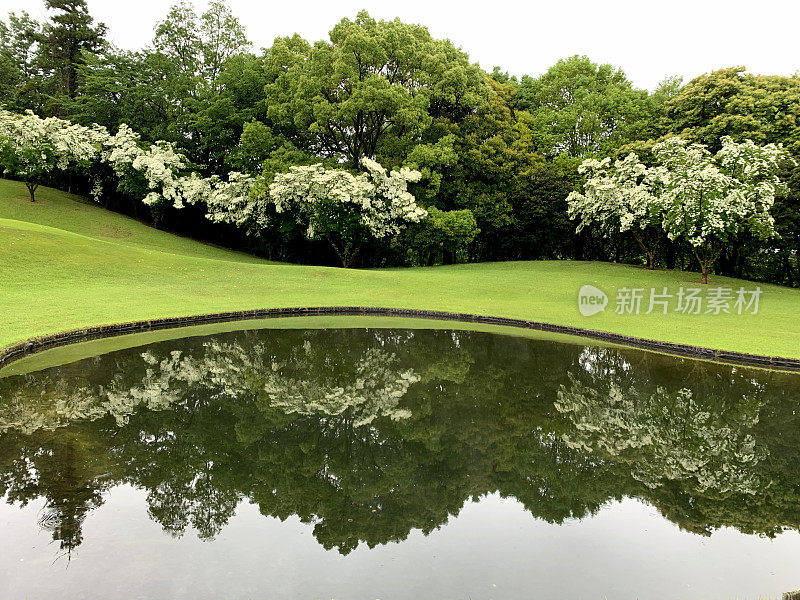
[(66, 263)]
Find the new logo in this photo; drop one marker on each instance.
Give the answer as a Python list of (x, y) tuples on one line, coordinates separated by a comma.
[(591, 300)]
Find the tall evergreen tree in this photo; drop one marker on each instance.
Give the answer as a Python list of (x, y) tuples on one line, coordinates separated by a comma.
[(62, 43)]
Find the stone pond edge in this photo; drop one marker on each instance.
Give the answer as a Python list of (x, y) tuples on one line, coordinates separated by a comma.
[(38, 344)]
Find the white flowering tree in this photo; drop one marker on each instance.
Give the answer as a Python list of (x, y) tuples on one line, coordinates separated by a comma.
[(709, 200), (32, 148), (618, 198), (151, 172), (332, 204), (346, 209), (691, 194), (232, 202)]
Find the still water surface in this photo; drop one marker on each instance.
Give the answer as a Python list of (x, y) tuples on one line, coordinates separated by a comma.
[(397, 463)]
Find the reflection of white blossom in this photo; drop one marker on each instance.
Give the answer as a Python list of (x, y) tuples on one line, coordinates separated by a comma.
[(46, 404), (376, 390), (32, 407), (374, 387), (664, 436), (159, 388)]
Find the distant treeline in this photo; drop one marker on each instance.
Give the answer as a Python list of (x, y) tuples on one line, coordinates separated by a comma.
[(505, 149)]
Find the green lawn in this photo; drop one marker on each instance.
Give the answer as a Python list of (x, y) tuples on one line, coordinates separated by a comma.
[(66, 263)]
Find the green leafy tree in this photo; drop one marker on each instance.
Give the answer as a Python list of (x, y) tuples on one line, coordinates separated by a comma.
[(503, 181), (125, 87), (372, 81), (580, 108), (731, 102), (443, 232), (189, 75), (20, 77), (787, 226)]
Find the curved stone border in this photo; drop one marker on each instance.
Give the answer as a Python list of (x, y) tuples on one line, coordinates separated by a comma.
[(33, 345)]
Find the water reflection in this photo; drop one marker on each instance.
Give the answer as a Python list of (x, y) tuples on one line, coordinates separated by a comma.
[(368, 434)]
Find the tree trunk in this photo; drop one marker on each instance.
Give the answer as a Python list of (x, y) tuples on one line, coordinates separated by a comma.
[(787, 263), (648, 249), (707, 257), (32, 189), (346, 255), (670, 254)]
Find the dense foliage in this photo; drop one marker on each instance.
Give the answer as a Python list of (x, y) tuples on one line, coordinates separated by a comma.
[(704, 199), (214, 123)]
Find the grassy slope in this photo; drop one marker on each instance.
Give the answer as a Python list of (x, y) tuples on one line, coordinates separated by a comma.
[(67, 263)]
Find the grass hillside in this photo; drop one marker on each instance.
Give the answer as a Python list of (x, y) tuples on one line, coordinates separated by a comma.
[(66, 263), (78, 215)]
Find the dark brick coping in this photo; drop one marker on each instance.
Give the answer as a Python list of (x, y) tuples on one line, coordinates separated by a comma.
[(33, 345)]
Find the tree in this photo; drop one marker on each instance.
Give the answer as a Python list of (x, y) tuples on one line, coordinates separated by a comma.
[(32, 148), (199, 48), (580, 108), (189, 65), (222, 37), (148, 172), (63, 43), (709, 199), (732, 102), (124, 87), (691, 194), (496, 173), (764, 109), (374, 80), (346, 209), (20, 78), (618, 199), (443, 231), (787, 225)]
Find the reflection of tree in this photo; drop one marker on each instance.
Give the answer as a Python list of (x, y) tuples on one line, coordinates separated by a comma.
[(370, 434), (69, 472), (665, 435), (47, 402), (375, 390)]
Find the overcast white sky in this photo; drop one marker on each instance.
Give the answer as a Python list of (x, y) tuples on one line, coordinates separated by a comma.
[(649, 40)]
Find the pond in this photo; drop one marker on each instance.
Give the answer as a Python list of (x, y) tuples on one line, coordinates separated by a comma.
[(393, 463)]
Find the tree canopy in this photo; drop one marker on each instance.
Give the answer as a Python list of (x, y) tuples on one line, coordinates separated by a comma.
[(372, 82), (492, 149)]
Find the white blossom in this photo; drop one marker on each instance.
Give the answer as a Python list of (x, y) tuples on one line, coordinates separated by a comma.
[(618, 198), (32, 147), (381, 200)]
